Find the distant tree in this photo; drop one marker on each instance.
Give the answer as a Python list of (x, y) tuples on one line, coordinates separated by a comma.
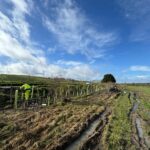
[(108, 78)]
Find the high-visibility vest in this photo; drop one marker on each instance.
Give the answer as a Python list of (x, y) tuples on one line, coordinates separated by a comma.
[(26, 87)]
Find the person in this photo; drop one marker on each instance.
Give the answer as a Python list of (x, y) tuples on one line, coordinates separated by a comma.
[(27, 91)]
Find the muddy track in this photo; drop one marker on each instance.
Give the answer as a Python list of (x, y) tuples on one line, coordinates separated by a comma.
[(68, 139), (74, 141), (93, 140), (137, 137)]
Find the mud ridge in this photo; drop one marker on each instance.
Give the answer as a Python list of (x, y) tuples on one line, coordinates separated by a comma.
[(94, 139)]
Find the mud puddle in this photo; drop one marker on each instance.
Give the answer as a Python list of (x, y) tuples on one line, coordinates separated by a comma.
[(76, 145)]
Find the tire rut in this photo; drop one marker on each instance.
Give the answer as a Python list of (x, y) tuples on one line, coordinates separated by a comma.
[(93, 140), (137, 131)]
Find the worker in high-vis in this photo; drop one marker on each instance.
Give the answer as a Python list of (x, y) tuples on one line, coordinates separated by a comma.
[(26, 88)]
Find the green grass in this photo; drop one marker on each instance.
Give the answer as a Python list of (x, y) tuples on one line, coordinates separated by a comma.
[(120, 127), (141, 88)]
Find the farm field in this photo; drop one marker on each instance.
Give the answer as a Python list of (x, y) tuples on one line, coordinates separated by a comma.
[(98, 120)]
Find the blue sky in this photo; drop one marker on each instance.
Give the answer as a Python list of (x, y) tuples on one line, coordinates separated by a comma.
[(76, 38)]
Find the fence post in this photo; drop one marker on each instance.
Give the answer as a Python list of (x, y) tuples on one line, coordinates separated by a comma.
[(87, 90), (11, 95), (77, 90), (66, 93), (16, 99), (48, 100)]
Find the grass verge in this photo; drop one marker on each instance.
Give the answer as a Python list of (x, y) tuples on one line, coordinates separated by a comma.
[(119, 133)]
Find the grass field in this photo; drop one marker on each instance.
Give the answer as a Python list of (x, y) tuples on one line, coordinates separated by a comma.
[(33, 80)]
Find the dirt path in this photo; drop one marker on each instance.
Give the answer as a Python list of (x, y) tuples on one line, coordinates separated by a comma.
[(137, 130)]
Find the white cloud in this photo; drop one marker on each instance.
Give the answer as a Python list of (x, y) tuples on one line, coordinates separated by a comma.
[(130, 78), (69, 63), (15, 42), (79, 72), (142, 77), (20, 10), (140, 68), (83, 72), (75, 32), (21, 5), (11, 48)]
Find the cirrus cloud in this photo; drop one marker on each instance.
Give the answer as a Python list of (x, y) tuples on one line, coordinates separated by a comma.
[(75, 32)]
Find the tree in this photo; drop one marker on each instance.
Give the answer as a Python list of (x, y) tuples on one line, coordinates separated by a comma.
[(108, 78)]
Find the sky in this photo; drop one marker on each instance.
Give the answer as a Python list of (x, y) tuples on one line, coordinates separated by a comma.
[(77, 39)]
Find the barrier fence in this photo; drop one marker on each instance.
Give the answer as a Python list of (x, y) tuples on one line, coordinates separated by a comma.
[(13, 97)]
